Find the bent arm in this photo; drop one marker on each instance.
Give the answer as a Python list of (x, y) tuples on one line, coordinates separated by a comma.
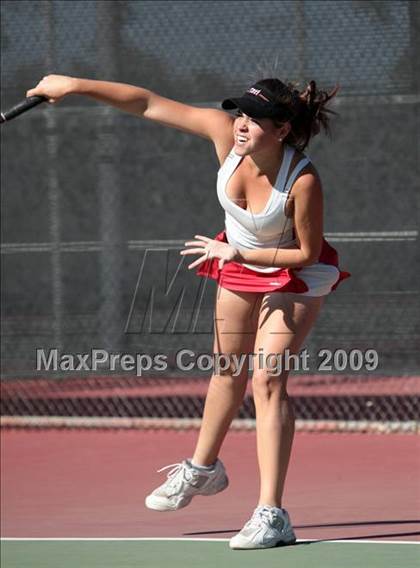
[(308, 218)]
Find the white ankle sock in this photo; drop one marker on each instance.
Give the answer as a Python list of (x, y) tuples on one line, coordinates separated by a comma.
[(203, 467)]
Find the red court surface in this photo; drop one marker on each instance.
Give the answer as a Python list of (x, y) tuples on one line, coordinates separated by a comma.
[(81, 483)]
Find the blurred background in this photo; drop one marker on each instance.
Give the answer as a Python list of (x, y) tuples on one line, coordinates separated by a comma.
[(96, 204)]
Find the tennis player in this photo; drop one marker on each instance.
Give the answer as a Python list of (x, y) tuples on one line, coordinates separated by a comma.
[(272, 264)]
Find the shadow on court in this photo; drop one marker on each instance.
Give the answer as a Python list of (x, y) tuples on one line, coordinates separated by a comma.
[(329, 525)]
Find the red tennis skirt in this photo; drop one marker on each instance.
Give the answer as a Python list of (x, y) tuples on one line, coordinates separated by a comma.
[(235, 276)]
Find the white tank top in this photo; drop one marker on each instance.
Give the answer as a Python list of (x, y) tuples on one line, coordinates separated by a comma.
[(270, 228)]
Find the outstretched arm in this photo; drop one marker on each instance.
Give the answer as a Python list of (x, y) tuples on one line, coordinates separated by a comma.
[(209, 123)]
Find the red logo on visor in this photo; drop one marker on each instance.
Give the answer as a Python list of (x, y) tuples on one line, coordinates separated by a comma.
[(257, 93)]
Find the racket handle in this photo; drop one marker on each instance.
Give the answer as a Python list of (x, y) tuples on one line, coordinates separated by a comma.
[(21, 107)]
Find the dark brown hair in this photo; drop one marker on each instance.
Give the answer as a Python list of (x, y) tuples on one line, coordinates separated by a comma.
[(306, 111)]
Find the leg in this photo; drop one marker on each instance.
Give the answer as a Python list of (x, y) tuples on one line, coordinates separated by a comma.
[(285, 320), (236, 317)]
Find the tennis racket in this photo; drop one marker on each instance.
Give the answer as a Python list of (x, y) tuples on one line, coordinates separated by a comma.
[(21, 107)]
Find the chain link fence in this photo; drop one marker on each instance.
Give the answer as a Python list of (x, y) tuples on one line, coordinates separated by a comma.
[(96, 204)]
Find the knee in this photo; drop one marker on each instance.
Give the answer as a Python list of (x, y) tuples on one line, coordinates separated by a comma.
[(265, 385), (229, 378)]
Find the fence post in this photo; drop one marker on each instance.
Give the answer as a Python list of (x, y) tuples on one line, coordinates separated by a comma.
[(53, 188), (108, 182)]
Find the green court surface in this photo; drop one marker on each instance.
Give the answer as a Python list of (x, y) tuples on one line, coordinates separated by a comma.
[(157, 553)]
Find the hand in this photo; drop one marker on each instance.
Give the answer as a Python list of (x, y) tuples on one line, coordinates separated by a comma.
[(210, 248), (54, 87)]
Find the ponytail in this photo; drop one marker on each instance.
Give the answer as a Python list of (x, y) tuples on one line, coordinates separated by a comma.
[(314, 115), (306, 111)]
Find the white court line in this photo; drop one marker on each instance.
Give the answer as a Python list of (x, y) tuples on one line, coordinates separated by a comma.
[(135, 539)]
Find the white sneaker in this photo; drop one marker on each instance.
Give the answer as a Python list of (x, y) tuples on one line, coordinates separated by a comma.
[(268, 527), (183, 483)]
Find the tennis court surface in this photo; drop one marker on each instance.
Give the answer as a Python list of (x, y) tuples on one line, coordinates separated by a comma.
[(76, 498)]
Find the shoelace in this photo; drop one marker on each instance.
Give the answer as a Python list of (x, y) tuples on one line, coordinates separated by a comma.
[(179, 473), (263, 515)]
